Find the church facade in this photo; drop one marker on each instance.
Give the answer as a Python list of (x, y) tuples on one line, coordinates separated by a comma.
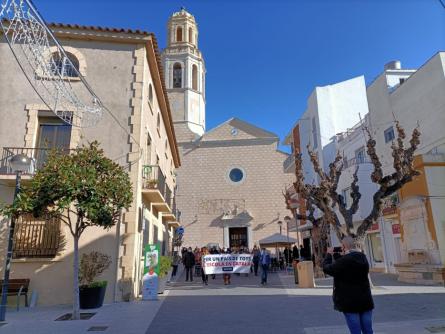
[(230, 184)]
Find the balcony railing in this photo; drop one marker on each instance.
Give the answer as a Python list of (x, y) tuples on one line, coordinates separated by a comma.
[(153, 178), (37, 237), (355, 161), (38, 158)]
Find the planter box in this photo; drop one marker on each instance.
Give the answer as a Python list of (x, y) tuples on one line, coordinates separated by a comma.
[(92, 297)]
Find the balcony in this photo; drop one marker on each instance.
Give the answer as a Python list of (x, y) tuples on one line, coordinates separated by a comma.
[(38, 158), (155, 190), (355, 161), (289, 164)]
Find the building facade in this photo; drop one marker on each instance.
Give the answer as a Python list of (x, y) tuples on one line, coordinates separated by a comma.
[(415, 98), (231, 180), (123, 67)]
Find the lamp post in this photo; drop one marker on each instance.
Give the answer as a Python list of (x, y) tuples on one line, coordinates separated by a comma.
[(287, 219), (19, 163), (280, 223)]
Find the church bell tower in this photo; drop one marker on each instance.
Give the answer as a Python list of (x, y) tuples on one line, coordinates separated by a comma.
[(185, 72)]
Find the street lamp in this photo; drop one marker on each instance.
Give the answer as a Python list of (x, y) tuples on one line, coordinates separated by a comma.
[(19, 163), (280, 223), (287, 219)]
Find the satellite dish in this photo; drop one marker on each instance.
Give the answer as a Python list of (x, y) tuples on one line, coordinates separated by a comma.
[(47, 66)]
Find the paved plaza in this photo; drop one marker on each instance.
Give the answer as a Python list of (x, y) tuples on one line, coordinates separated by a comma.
[(247, 307)]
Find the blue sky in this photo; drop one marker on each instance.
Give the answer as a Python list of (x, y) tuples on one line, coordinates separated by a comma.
[(264, 58)]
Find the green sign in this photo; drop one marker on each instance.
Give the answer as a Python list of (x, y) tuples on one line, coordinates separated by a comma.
[(151, 259)]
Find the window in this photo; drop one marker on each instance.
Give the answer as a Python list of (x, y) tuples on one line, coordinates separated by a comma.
[(64, 66), (150, 95), (179, 34), (236, 175), (346, 194), (401, 80), (314, 132), (195, 77), (191, 35), (177, 75), (360, 156), (389, 134), (37, 237), (158, 124), (148, 151), (376, 247), (52, 133)]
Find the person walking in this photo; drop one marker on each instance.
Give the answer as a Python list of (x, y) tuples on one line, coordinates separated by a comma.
[(227, 277), (255, 259), (352, 291), (189, 262), (295, 253), (175, 263), (205, 278), (265, 262)]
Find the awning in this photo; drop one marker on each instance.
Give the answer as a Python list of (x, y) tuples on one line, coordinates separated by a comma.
[(277, 240)]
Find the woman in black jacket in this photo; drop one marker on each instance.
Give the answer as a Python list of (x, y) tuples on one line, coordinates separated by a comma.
[(352, 291)]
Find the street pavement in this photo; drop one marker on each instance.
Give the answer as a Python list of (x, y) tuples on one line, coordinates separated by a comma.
[(246, 307)]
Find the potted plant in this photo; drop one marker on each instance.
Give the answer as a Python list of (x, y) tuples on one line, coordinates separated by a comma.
[(151, 184), (165, 269), (92, 292)]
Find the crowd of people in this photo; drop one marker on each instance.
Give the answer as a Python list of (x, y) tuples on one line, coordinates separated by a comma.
[(262, 259)]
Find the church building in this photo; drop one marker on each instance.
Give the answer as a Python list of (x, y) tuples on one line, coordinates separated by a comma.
[(230, 184)]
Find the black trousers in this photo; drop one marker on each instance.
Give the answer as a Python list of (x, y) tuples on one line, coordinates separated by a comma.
[(189, 272), (255, 268), (175, 270), (205, 278)]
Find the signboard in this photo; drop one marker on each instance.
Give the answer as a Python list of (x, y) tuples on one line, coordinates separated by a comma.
[(395, 228), (150, 280), (389, 205), (374, 227), (226, 263)]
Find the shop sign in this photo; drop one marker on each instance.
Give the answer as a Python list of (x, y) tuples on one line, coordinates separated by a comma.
[(395, 228), (374, 227), (389, 206)]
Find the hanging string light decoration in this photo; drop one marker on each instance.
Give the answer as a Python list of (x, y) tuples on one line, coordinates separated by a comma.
[(54, 76)]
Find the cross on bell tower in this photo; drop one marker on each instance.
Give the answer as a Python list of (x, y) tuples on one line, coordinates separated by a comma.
[(185, 72)]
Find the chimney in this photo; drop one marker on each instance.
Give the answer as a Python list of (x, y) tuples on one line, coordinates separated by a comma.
[(393, 65)]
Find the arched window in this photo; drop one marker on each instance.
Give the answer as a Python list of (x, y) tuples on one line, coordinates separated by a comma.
[(191, 35), (195, 77), (179, 34), (150, 94), (65, 66), (177, 75)]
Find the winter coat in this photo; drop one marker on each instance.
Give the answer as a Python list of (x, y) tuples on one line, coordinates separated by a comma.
[(189, 259), (352, 292)]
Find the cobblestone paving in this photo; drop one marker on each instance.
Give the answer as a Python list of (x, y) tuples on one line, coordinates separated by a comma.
[(247, 307)]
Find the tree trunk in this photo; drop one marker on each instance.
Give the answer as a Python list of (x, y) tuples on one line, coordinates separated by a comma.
[(76, 306)]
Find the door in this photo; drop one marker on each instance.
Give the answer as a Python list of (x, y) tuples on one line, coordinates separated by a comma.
[(237, 237)]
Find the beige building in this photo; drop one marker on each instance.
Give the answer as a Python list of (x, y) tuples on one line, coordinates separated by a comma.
[(231, 180), (123, 68)]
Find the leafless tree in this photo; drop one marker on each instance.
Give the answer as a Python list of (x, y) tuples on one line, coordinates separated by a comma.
[(324, 196)]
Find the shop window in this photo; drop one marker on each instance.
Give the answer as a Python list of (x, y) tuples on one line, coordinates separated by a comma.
[(376, 247)]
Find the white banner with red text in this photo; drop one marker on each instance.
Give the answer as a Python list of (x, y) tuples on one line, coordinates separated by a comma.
[(226, 263)]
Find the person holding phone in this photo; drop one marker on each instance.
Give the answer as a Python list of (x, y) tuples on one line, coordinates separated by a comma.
[(352, 291)]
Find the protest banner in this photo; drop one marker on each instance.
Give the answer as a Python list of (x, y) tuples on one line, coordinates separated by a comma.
[(226, 263)]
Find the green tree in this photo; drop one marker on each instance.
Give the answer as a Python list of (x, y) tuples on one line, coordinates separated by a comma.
[(83, 189)]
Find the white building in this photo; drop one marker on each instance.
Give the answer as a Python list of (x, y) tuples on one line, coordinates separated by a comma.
[(415, 98)]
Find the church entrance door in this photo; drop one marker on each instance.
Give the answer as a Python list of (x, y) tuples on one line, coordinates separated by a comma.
[(238, 237)]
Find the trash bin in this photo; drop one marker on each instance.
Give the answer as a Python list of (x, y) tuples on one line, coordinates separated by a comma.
[(306, 274), (294, 265)]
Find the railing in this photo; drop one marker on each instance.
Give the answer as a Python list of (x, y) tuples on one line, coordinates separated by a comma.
[(153, 178), (38, 158), (355, 161), (290, 160), (37, 237)]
